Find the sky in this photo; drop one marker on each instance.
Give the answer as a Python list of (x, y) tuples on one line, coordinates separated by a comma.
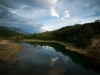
[(37, 16)]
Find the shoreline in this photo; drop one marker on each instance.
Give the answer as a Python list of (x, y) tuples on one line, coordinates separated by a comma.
[(67, 47), (7, 49)]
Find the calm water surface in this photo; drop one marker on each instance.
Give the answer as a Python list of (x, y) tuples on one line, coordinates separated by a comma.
[(51, 59)]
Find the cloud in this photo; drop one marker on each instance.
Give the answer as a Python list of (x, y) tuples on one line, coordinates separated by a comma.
[(66, 14), (49, 5), (53, 12), (24, 14), (46, 3), (40, 15)]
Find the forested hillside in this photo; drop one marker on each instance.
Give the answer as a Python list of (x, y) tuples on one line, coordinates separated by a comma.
[(9, 33), (13, 29), (79, 34)]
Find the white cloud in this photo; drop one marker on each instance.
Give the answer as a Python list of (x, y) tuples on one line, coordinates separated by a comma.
[(49, 5), (53, 12), (45, 7), (66, 14)]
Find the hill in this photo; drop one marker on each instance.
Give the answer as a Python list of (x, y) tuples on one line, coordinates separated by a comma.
[(13, 29), (8, 32)]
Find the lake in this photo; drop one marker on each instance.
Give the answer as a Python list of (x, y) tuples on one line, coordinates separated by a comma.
[(42, 58)]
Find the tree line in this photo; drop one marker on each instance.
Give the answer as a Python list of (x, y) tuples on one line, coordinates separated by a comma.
[(5, 33)]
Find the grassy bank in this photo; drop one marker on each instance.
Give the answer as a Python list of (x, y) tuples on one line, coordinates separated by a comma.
[(70, 47)]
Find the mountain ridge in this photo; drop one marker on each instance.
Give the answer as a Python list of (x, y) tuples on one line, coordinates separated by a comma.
[(14, 29)]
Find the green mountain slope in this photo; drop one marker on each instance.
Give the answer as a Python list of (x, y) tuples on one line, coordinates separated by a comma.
[(8, 33)]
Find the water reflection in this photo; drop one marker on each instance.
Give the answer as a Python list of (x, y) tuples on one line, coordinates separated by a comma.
[(53, 60), (79, 59), (50, 59)]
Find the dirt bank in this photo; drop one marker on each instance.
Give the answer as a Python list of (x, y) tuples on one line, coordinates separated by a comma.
[(7, 49), (93, 50)]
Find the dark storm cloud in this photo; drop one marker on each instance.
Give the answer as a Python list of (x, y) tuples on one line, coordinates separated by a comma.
[(7, 18), (14, 3), (3, 12)]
